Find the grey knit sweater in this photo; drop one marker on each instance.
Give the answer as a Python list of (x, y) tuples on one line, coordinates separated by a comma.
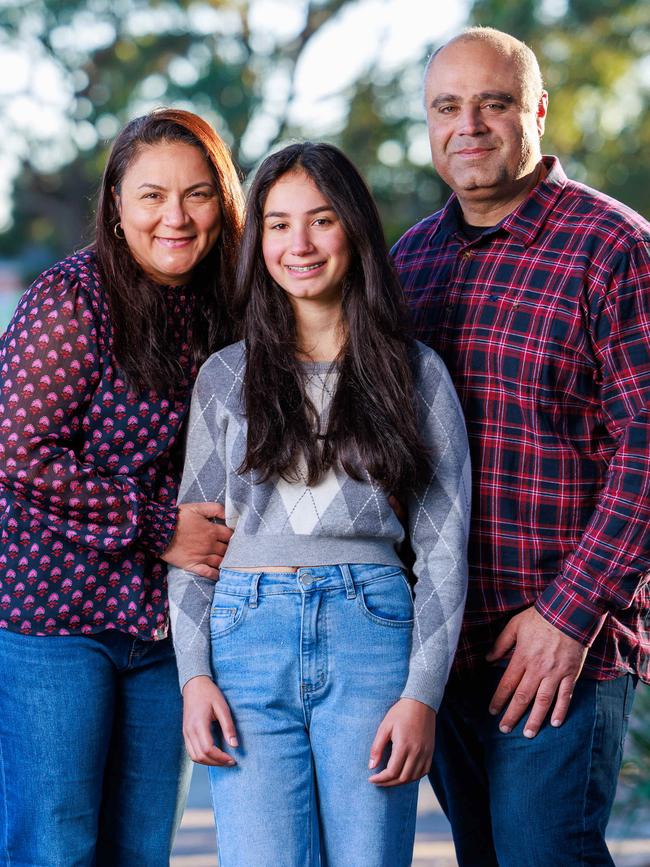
[(338, 520)]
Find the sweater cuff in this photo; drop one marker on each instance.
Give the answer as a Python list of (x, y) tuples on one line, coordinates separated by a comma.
[(157, 526), (570, 611)]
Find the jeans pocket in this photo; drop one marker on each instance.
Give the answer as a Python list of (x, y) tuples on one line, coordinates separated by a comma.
[(226, 614), (387, 601)]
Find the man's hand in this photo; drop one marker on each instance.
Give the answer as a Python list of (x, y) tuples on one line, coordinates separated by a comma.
[(203, 704), (410, 726), (198, 545), (544, 667)]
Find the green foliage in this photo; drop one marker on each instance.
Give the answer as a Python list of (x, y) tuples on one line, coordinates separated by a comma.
[(593, 56), (113, 59)]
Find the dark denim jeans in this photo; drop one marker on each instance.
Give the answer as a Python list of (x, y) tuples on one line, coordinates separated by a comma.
[(92, 765), (519, 802)]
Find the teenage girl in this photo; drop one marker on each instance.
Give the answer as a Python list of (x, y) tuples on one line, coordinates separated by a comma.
[(322, 672)]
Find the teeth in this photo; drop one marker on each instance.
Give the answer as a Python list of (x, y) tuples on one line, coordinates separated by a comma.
[(302, 268)]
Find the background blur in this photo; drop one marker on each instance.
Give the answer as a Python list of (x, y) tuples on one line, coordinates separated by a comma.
[(349, 71)]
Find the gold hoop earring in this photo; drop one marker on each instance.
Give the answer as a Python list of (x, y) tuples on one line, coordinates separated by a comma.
[(117, 229)]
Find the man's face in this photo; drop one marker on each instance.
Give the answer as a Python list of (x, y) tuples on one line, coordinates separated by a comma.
[(484, 133)]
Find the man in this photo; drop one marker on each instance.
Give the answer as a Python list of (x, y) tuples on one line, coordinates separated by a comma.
[(536, 292)]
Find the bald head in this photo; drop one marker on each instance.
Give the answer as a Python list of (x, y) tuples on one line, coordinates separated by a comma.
[(516, 53)]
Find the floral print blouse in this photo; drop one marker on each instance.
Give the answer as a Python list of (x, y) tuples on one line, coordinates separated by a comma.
[(89, 469)]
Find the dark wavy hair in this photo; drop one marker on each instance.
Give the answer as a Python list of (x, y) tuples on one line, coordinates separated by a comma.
[(372, 425), (139, 314)]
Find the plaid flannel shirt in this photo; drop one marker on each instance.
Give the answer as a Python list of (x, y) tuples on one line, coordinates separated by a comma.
[(544, 324)]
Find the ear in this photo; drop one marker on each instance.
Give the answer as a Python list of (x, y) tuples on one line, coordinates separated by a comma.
[(542, 110), (117, 200)]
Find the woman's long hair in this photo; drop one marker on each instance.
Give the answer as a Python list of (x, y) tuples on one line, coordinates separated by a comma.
[(372, 424), (141, 326)]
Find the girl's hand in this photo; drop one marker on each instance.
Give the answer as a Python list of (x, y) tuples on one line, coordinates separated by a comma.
[(203, 704), (198, 545), (410, 727)]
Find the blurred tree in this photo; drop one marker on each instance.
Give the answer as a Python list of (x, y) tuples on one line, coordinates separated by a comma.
[(106, 60), (95, 63), (594, 58)]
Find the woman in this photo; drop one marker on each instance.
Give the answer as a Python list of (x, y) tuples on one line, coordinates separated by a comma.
[(98, 364), (308, 652)]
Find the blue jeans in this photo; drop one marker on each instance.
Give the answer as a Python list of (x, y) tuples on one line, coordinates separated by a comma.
[(92, 765), (310, 663), (515, 801)]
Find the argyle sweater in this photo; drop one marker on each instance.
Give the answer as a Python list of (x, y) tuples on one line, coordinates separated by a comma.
[(338, 520)]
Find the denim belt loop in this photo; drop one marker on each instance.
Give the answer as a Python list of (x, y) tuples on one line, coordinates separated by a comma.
[(255, 580), (350, 590)]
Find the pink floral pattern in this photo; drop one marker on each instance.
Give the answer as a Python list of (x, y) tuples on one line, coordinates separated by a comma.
[(89, 469)]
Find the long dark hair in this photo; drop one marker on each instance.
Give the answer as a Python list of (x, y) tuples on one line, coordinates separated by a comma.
[(138, 307), (372, 425)]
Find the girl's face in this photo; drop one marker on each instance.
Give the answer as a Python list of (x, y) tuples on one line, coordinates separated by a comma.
[(304, 246)]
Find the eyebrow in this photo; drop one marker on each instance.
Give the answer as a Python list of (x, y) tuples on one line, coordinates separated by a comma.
[(309, 213), (149, 186), (499, 95)]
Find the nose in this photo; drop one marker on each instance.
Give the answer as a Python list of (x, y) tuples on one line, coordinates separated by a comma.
[(301, 243), (174, 214), (470, 120)]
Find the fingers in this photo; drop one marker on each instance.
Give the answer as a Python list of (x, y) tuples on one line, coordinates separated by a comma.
[(209, 510), (505, 641), (225, 720), (541, 693), (391, 773), (379, 744), (530, 690), (407, 763), (204, 571), (199, 742), (222, 534), (564, 696), (507, 686), (203, 704)]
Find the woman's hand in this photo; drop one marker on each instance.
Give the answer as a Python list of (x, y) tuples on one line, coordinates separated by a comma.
[(198, 545), (203, 704), (410, 726)]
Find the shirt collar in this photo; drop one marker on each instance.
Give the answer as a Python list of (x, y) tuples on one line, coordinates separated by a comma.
[(528, 219)]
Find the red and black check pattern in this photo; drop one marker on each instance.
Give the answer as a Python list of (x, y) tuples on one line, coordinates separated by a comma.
[(544, 324)]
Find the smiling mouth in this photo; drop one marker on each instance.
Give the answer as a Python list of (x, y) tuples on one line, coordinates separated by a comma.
[(473, 152), (304, 269), (174, 242)]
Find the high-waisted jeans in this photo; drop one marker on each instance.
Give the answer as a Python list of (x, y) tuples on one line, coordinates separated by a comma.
[(310, 662)]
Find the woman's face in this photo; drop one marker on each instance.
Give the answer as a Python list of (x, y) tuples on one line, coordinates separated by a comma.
[(304, 246), (169, 210)]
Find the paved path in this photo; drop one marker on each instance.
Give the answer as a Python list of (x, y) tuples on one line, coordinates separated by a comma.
[(195, 845)]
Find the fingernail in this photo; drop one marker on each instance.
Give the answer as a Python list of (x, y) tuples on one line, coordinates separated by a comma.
[(233, 742), (231, 763), (529, 733), (371, 764), (505, 729), (556, 722), (493, 711)]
